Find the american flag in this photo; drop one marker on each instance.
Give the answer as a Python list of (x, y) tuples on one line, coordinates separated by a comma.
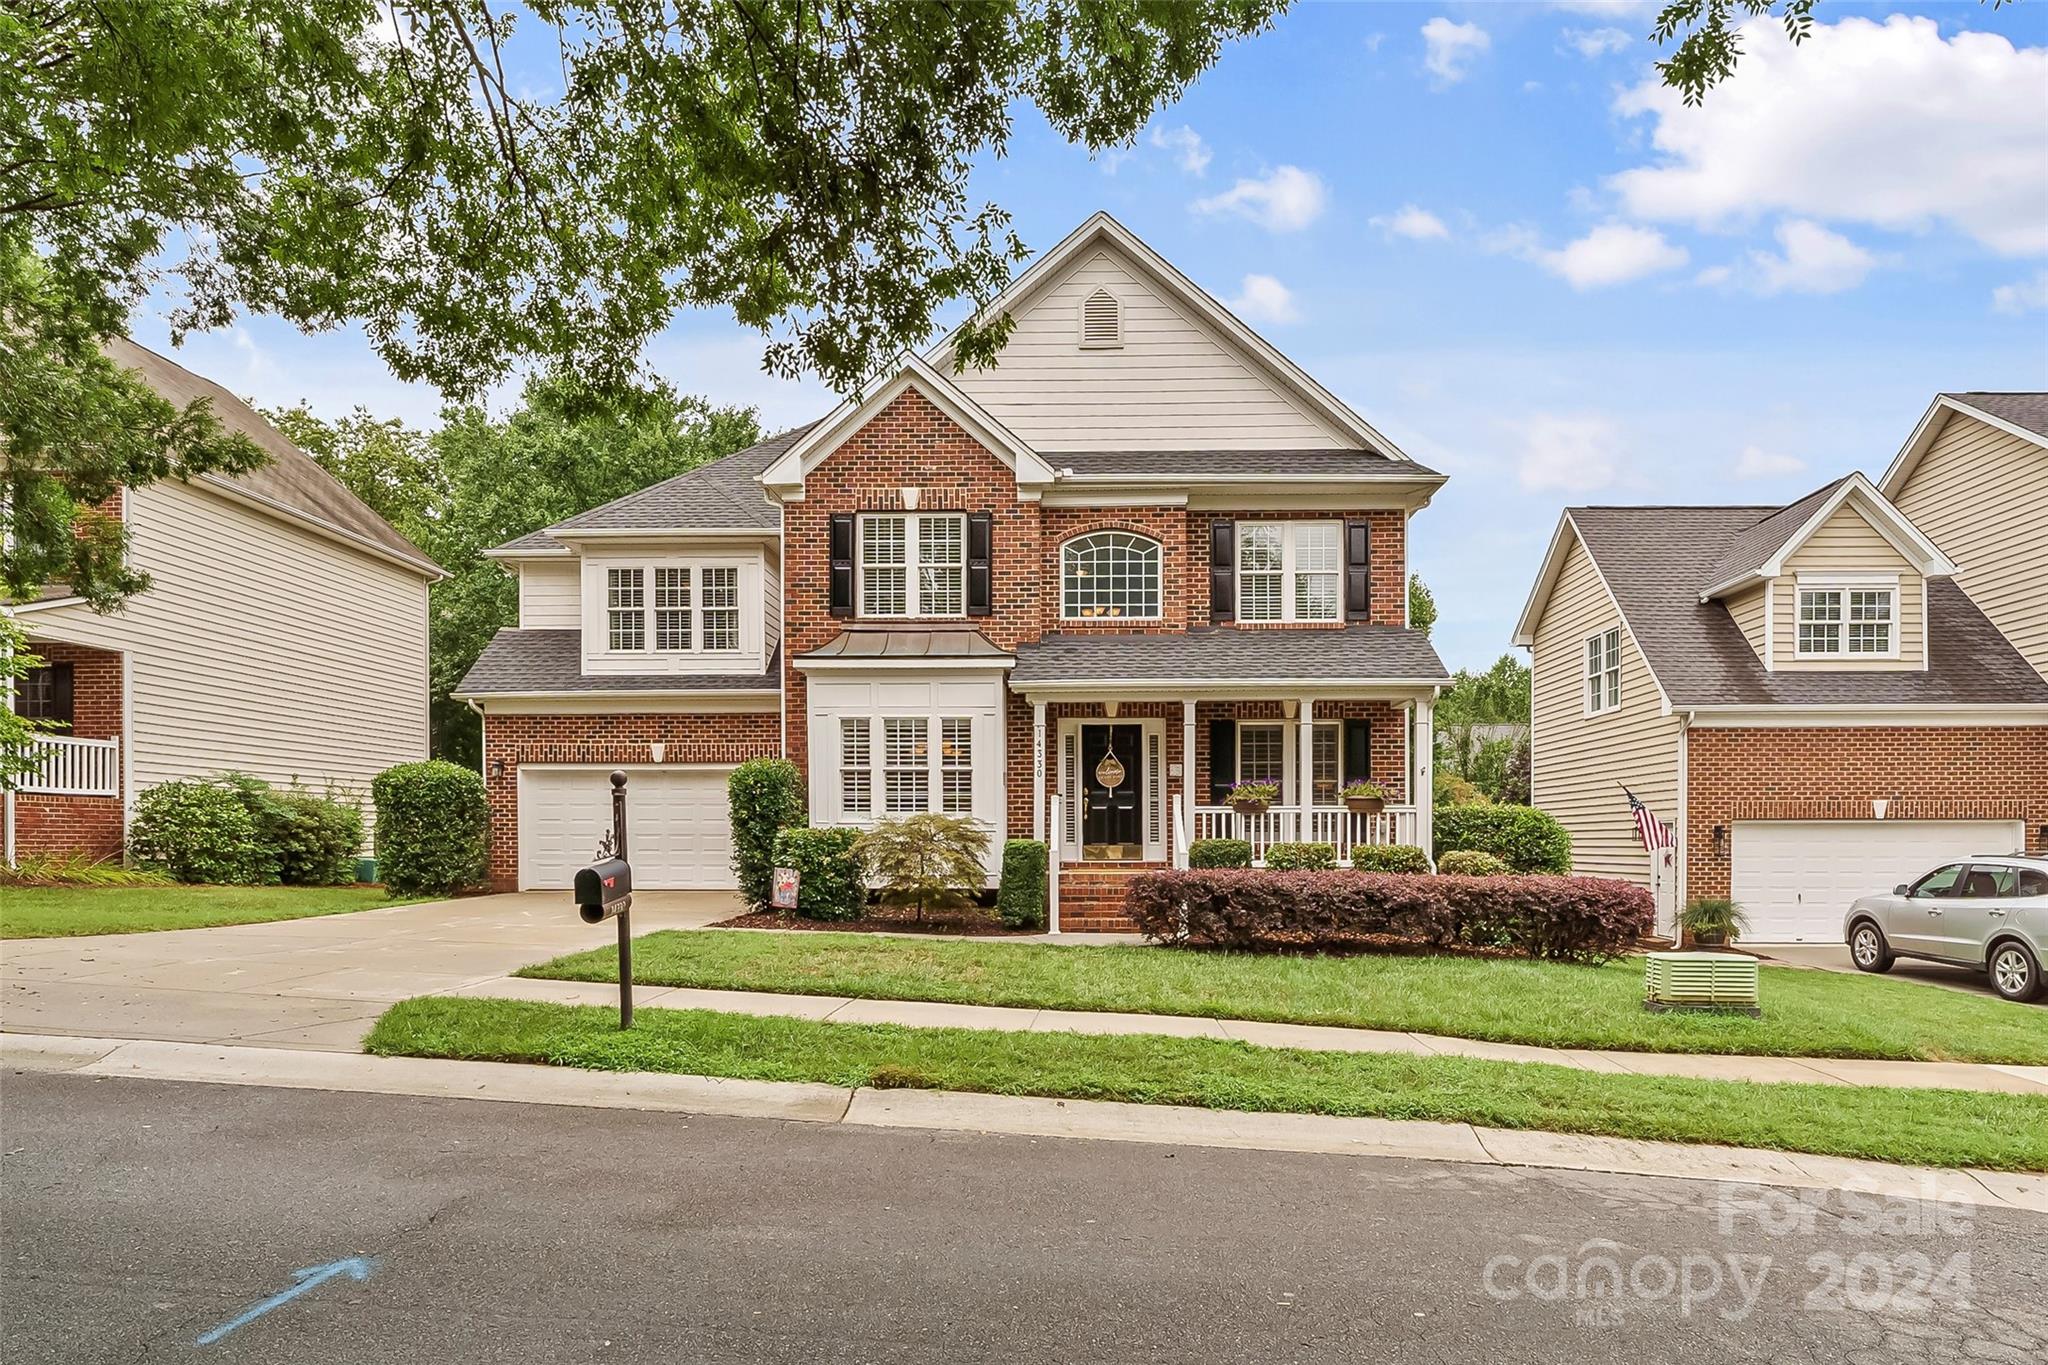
[(1655, 833)]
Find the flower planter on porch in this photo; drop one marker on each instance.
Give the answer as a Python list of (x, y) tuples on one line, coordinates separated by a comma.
[(1251, 807), (1365, 805)]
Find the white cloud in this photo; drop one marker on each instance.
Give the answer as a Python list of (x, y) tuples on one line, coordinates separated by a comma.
[(1287, 200), (1261, 298), (2021, 296), (1373, 41), (1416, 224), (1814, 261), (1594, 43), (1613, 253), (1569, 453), (1607, 9), (1189, 151), (1757, 463), (1450, 49), (1887, 124)]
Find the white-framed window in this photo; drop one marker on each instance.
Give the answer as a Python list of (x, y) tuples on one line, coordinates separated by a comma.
[(1603, 671), (1110, 574), (856, 766), (1262, 754), (956, 765), (688, 608), (913, 564), (1290, 571), (1848, 620)]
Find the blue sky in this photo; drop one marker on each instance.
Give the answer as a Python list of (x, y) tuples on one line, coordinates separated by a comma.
[(1485, 227)]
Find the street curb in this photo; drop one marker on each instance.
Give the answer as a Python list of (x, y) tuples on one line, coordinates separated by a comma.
[(955, 1111)]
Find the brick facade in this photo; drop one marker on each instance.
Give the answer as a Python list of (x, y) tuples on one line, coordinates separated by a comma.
[(510, 741), (1833, 773), (91, 825)]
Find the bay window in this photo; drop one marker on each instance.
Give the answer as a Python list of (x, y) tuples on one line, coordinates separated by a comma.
[(913, 564), (1290, 571)]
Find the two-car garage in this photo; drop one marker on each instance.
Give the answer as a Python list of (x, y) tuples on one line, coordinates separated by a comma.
[(678, 825), (1796, 879)]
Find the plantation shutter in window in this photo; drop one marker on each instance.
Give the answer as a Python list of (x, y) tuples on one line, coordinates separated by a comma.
[(1357, 751), (980, 532), (1357, 571), (1222, 760), (841, 592), (1222, 570)]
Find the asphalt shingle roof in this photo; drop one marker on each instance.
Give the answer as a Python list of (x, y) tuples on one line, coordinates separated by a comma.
[(1350, 654), (1657, 561), (1753, 546), (716, 496), (547, 661), (2029, 410)]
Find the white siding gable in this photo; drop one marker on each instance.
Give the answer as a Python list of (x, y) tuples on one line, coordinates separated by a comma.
[(550, 594), (1171, 383)]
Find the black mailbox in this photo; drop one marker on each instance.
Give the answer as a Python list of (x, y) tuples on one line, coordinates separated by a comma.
[(604, 889)]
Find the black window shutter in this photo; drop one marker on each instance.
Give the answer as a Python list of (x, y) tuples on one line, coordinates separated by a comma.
[(980, 533), (1223, 570), (1357, 571), (841, 603), (1222, 759), (1357, 751)]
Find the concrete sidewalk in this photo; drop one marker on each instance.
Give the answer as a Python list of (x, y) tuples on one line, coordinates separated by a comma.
[(317, 982), (2015, 1080), (943, 1111)]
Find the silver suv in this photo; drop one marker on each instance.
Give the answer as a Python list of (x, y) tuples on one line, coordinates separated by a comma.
[(1989, 913)]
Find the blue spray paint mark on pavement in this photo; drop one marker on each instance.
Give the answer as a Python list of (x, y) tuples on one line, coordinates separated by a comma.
[(312, 1277)]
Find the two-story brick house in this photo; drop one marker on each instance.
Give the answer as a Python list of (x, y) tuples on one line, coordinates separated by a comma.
[(1075, 595)]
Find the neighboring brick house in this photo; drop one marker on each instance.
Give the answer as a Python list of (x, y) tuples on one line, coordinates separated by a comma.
[(1073, 595), (284, 634), (1814, 696)]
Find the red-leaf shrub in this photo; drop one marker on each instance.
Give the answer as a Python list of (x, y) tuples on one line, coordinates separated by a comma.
[(1564, 919)]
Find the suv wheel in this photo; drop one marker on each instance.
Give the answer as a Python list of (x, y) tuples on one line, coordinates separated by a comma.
[(1868, 950), (2015, 975)]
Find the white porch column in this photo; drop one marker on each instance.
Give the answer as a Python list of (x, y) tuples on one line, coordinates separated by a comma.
[(1038, 771), (1187, 758), (1305, 762), (1422, 745)]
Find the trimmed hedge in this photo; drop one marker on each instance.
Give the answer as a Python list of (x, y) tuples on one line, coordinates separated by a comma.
[(197, 832), (829, 883), (1021, 896), (1388, 858), (1526, 839), (1470, 862), (766, 796), (433, 824), (1220, 853), (315, 839), (1561, 919), (1288, 857)]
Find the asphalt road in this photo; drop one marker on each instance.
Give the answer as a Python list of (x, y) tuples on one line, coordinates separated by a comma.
[(140, 1216)]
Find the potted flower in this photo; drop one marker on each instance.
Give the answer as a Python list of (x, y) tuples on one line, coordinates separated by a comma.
[(1253, 798), (1713, 921), (1365, 798)]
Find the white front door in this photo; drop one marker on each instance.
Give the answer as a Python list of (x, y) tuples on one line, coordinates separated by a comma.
[(678, 825), (1797, 878)]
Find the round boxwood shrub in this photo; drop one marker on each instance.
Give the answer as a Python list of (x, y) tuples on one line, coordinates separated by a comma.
[(314, 839), (1220, 853), (1021, 898), (766, 797), (829, 884), (432, 825), (1388, 858), (1526, 839), (1470, 862), (197, 831), (1301, 857)]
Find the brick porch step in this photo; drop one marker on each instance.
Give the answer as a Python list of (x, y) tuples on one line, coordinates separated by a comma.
[(1092, 897)]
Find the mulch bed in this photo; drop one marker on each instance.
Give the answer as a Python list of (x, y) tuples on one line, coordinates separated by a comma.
[(882, 919)]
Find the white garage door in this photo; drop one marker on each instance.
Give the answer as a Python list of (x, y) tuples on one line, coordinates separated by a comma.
[(677, 825), (1796, 879)]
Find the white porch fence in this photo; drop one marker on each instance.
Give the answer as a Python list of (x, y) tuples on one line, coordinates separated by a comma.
[(1338, 826), (74, 767)]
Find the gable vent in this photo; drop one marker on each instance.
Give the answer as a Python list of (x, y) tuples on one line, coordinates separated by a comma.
[(1102, 320)]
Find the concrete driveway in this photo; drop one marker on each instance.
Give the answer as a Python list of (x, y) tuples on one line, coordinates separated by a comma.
[(308, 983), (1834, 957)]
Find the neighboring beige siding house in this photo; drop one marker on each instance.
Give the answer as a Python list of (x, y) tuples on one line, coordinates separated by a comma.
[(284, 634), (1811, 696)]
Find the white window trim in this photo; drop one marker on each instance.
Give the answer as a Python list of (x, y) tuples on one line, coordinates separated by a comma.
[(1593, 698), (1289, 572), (1158, 564), (912, 589), (648, 572), (1846, 583)]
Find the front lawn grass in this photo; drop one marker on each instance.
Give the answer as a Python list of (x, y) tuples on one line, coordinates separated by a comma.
[(1927, 1127), (59, 911), (1806, 1013)]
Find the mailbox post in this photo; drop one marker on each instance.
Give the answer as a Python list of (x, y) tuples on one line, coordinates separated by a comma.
[(604, 890)]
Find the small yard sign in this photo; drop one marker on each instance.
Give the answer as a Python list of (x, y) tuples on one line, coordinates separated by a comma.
[(784, 897)]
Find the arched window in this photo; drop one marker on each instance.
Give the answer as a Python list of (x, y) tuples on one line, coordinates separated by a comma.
[(1109, 574), (1102, 320)]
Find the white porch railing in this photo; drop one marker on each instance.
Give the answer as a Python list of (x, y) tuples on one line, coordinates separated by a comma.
[(74, 767), (1337, 826)]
